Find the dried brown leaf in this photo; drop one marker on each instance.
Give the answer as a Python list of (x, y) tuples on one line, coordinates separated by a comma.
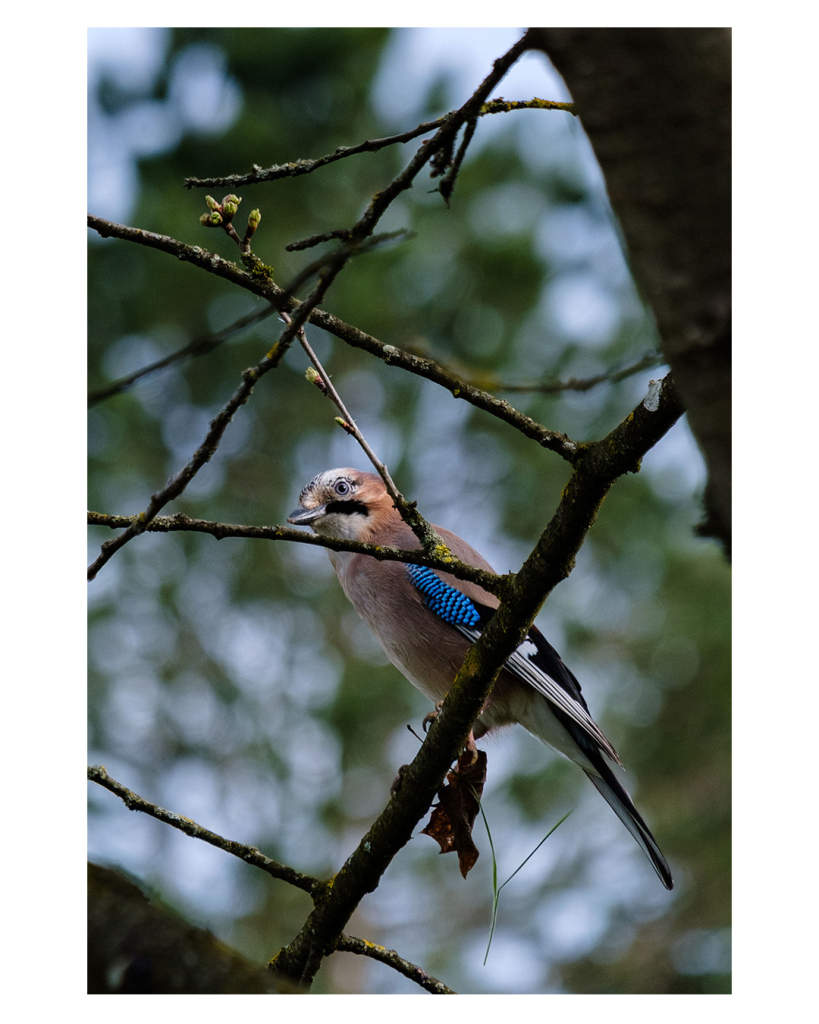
[(452, 818)]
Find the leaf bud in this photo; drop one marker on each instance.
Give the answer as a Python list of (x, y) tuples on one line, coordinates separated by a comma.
[(316, 378), (230, 207), (253, 220)]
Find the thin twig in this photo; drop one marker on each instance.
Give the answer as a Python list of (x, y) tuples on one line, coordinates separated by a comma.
[(349, 423), (350, 944), (428, 537), (180, 523), (308, 243), (342, 233), (250, 854), (646, 362), (351, 249), (502, 106), (296, 168), (197, 347), (448, 181)]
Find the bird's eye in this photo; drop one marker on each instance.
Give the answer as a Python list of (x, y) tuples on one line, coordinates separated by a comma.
[(342, 487)]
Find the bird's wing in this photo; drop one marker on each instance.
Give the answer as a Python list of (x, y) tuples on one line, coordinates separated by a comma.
[(535, 661)]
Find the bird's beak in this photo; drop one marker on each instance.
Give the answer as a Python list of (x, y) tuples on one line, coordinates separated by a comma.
[(305, 516)]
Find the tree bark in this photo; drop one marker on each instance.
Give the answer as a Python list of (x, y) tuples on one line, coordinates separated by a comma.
[(656, 105)]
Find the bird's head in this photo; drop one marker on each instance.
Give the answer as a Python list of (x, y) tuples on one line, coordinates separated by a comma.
[(344, 503)]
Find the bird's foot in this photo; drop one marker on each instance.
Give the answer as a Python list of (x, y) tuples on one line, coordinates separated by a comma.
[(430, 718), (470, 748)]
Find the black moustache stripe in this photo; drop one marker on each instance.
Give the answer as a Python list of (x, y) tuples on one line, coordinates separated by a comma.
[(347, 508)]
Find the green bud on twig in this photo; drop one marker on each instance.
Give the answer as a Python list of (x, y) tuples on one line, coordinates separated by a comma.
[(316, 378), (253, 220), (344, 425), (212, 204), (230, 207)]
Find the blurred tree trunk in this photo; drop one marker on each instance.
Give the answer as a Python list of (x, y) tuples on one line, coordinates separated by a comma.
[(656, 105), (135, 946)]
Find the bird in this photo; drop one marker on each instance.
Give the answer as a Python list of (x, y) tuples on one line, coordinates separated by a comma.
[(426, 621)]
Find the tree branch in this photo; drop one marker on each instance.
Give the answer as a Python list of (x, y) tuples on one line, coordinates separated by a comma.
[(260, 283), (553, 387), (349, 944), (249, 854), (341, 233), (182, 523), (253, 856), (296, 168), (440, 142), (553, 440)]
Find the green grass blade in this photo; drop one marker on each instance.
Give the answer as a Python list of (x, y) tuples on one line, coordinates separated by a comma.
[(496, 889)]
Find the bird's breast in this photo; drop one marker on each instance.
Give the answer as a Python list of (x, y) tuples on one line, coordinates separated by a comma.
[(425, 650)]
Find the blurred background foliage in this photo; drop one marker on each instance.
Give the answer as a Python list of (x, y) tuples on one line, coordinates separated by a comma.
[(230, 681)]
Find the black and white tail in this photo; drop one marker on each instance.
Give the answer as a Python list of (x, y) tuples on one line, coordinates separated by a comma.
[(621, 803)]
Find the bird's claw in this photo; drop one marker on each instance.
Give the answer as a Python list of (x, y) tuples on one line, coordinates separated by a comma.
[(430, 718), (469, 746)]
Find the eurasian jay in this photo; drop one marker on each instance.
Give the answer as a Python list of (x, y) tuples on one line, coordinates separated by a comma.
[(426, 620)]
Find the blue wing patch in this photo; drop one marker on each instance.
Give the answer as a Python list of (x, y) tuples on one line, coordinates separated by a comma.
[(535, 662), (446, 602)]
